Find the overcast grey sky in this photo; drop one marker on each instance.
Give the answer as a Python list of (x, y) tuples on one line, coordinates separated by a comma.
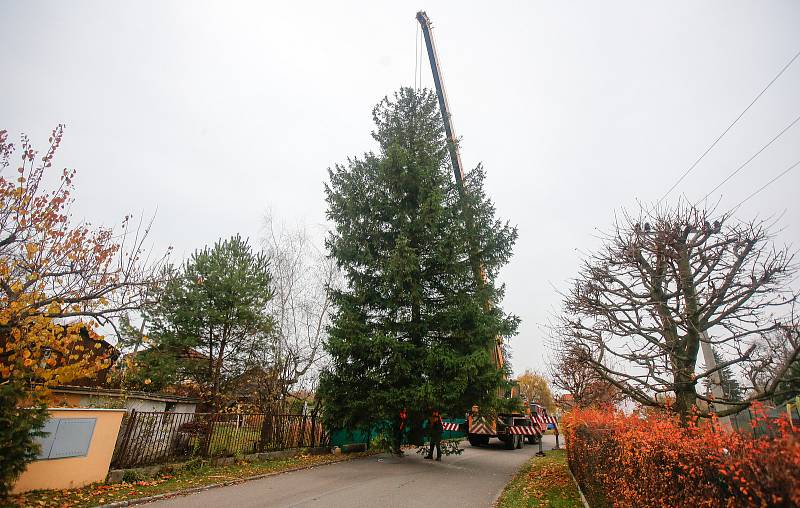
[(213, 112)]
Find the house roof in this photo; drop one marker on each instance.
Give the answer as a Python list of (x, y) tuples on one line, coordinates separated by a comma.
[(111, 392), (186, 353)]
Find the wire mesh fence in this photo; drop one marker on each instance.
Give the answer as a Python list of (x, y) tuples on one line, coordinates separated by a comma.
[(148, 438)]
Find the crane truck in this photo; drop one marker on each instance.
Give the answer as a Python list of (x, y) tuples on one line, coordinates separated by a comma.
[(511, 428)]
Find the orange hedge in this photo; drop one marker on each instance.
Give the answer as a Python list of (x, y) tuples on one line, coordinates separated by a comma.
[(632, 461)]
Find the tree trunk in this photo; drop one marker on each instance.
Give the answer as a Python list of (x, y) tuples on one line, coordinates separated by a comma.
[(685, 395)]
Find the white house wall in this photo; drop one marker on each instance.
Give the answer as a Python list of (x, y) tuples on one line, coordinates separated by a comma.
[(185, 408), (144, 405)]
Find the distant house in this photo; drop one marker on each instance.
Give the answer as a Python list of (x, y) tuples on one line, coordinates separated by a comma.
[(597, 393), (90, 346), (85, 396), (260, 389), (565, 402), (180, 379)]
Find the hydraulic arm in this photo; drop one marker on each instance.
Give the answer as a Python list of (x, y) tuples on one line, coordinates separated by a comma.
[(444, 107), (452, 145)]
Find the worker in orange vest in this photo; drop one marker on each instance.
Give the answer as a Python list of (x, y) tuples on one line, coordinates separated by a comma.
[(435, 430), (400, 428)]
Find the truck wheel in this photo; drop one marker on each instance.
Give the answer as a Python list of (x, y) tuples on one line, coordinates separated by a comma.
[(520, 442), (478, 440), (510, 442), (531, 439)]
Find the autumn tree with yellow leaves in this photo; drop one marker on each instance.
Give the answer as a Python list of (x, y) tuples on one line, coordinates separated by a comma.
[(536, 388), (61, 284)]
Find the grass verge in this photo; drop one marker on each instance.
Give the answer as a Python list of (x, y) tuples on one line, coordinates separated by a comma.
[(202, 474), (542, 482)]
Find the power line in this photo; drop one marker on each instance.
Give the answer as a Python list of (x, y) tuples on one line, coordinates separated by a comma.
[(745, 163), (728, 128), (766, 185)]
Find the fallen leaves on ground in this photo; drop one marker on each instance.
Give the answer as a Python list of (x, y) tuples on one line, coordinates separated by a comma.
[(101, 493), (542, 482), (545, 478)]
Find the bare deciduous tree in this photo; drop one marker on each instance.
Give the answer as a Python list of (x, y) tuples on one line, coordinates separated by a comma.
[(667, 281), (302, 275), (575, 375), (774, 352)]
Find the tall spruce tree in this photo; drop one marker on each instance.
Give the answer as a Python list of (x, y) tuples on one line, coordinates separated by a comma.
[(415, 325)]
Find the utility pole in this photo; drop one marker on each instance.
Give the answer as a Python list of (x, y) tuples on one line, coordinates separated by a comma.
[(716, 379)]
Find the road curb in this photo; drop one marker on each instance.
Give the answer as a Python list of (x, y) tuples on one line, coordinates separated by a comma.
[(194, 490), (578, 485)]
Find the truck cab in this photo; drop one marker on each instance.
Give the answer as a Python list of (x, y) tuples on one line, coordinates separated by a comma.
[(510, 428)]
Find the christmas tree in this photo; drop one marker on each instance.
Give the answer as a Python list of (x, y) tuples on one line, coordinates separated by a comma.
[(415, 325)]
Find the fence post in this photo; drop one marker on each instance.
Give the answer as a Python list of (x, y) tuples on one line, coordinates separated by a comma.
[(266, 433), (207, 444), (313, 431), (130, 424), (302, 432)]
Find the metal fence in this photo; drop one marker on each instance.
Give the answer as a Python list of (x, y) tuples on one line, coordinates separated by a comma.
[(745, 421), (148, 438)]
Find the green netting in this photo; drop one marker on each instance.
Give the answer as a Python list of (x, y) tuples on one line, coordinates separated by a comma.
[(344, 437)]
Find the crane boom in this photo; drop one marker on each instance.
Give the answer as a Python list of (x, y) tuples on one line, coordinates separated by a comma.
[(452, 145), (444, 107)]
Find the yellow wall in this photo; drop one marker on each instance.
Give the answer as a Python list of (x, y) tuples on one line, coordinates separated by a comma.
[(74, 472)]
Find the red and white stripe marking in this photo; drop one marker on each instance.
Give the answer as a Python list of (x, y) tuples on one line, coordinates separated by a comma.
[(480, 427), (524, 430), (450, 426), (544, 419)]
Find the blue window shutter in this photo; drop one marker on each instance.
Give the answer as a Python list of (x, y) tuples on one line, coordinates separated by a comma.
[(73, 437), (46, 442)]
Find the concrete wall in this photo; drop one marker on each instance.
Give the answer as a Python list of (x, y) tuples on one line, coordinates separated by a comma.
[(74, 472)]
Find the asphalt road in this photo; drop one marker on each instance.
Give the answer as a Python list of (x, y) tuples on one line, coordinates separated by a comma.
[(474, 478)]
